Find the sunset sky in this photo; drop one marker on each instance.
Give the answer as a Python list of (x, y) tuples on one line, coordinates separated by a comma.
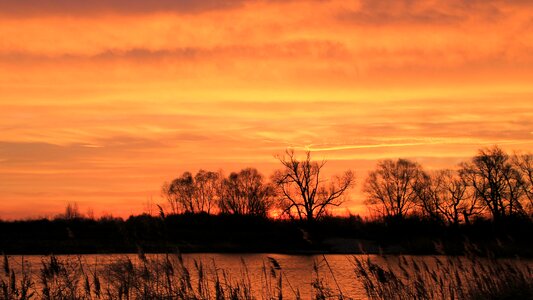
[(103, 101)]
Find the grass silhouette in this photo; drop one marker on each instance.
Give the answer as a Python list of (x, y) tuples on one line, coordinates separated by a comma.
[(168, 277)]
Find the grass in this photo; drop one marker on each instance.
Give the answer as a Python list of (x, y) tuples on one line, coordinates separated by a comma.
[(160, 277), (168, 277), (471, 277)]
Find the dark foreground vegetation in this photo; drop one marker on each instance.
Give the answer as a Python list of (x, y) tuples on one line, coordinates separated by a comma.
[(232, 233), (168, 277)]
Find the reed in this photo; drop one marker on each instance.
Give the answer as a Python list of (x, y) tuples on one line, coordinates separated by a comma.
[(159, 277), (167, 276), (468, 277)]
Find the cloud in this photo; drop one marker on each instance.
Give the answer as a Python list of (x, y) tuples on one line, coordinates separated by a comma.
[(429, 13), (73, 8), (28, 153), (311, 42), (380, 13), (368, 12), (315, 49)]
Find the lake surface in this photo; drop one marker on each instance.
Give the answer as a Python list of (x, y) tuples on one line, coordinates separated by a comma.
[(298, 271)]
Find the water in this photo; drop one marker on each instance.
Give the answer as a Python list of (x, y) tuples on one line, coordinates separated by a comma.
[(298, 271)]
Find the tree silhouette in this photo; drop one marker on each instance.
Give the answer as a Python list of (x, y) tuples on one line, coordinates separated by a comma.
[(190, 194), (496, 181), (392, 188), (72, 212), (180, 193), (444, 196), (245, 193), (303, 190), (207, 190), (524, 165)]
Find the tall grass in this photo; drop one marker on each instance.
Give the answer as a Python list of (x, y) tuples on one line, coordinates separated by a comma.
[(13, 287), (169, 277), (160, 277), (470, 277)]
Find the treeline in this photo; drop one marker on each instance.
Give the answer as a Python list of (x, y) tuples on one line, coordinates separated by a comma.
[(297, 190), (493, 184), (224, 233), (486, 200), (241, 193)]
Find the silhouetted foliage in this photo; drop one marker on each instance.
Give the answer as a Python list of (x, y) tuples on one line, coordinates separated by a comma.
[(497, 182), (193, 194), (245, 193), (180, 193), (207, 190), (244, 233), (392, 188), (72, 211), (524, 165), (445, 196), (303, 190)]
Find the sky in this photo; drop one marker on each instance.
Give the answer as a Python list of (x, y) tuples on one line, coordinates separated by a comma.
[(103, 101)]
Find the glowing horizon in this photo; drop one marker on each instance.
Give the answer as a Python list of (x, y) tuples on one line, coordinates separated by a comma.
[(103, 101)]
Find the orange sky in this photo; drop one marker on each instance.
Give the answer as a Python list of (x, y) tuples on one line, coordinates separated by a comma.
[(103, 101)]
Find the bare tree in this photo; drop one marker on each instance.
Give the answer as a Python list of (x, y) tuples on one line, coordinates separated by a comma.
[(524, 165), (304, 191), (190, 194), (71, 212), (443, 195), (429, 195), (392, 188), (496, 182), (180, 194), (245, 193), (207, 190), (515, 189)]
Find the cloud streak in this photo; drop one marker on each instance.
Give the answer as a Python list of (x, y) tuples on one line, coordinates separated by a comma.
[(73, 8)]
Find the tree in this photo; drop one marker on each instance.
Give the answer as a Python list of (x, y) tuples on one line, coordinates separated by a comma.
[(496, 182), (190, 194), (71, 212), (207, 190), (304, 192), (443, 195), (245, 193), (524, 166), (180, 193), (392, 188)]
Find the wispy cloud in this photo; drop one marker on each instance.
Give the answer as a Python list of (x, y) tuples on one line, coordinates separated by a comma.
[(349, 147), (81, 8)]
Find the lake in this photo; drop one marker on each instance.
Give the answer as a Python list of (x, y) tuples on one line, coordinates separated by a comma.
[(298, 272)]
